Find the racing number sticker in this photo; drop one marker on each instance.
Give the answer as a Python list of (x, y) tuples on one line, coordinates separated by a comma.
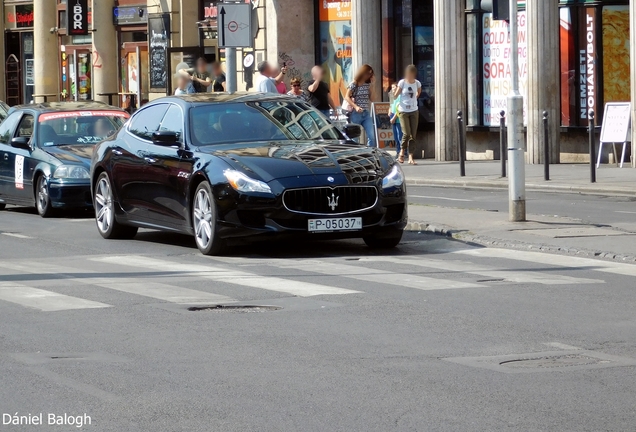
[(19, 172)]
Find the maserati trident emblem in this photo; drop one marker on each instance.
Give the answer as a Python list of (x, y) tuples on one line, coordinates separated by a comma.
[(333, 201)]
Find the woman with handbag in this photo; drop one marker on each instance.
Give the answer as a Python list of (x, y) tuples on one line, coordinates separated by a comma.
[(358, 102), (408, 90)]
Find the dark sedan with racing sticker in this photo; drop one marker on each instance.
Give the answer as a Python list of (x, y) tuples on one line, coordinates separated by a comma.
[(45, 153), (224, 167)]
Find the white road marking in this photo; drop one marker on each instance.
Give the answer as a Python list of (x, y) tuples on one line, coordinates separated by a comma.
[(372, 275), (468, 267), (625, 212), (301, 289), (168, 293), (20, 236), (440, 198), (43, 300), (562, 346), (553, 260)]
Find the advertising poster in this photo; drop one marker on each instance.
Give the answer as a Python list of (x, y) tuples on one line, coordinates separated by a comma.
[(383, 126), (588, 65), (158, 41), (497, 73), (616, 53), (335, 46)]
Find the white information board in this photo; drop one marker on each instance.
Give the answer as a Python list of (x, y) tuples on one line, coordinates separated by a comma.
[(235, 25), (617, 123)]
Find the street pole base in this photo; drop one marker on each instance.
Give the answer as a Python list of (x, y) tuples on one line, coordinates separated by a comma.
[(518, 211)]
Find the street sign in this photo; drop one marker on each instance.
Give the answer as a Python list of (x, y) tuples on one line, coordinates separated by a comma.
[(235, 25), (382, 123)]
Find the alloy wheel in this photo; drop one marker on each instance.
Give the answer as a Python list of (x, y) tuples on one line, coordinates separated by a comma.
[(204, 220), (104, 205)]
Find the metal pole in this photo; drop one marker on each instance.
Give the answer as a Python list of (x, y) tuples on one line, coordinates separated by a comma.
[(230, 64), (462, 144), (546, 147), (502, 142), (516, 139), (592, 148)]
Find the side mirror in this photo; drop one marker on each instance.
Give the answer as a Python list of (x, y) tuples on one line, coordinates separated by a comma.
[(352, 130), (21, 143), (165, 138)]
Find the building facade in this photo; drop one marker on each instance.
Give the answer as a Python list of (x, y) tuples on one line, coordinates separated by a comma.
[(575, 55)]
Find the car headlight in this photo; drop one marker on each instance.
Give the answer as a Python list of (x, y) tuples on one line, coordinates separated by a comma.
[(71, 172), (395, 178), (243, 183)]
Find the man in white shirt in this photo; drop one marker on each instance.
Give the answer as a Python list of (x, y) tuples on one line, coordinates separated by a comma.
[(267, 82)]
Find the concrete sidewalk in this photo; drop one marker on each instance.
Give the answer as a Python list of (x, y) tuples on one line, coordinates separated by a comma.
[(611, 181), (543, 233)]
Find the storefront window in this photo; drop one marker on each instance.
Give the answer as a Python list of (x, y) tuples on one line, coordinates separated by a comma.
[(616, 57)]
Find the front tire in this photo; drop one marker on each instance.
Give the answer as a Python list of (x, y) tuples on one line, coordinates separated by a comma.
[(204, 218), (42, 198), (104, 205), (384, 241), (2, 206)]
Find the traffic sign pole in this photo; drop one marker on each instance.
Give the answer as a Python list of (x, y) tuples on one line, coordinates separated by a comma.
[(230, 65)]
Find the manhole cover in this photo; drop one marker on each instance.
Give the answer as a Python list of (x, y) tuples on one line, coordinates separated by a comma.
[(554, 362), (234, 308)]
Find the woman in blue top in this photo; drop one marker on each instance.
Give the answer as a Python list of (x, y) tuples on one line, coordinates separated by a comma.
[(359, 96)]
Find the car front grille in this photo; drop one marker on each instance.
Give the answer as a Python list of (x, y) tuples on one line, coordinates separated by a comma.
[(330, 201)]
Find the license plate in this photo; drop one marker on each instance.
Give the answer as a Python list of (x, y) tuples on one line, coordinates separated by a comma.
[(331, 225)]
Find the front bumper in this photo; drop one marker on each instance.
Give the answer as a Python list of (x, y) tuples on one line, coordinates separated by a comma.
[(70, 195), (248, 217)]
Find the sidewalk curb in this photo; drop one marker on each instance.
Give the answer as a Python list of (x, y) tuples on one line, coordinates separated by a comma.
[(467, 237), (534, 187)]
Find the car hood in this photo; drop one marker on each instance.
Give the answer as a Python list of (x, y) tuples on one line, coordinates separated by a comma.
[(277, 160), (76, 153)]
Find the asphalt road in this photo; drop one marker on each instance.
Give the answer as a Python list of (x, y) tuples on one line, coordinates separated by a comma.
[(602, 210), (436, 336)]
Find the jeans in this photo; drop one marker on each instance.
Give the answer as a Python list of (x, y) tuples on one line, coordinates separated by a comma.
[(409, 122), (326, 113), (397, 134), (364, 119)]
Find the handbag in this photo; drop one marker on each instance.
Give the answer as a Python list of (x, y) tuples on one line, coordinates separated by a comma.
[(346, 106)]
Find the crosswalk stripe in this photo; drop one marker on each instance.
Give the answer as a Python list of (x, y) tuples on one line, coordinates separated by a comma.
[(43, 300), (168, 293), (138, 286), (374, 275), (301, 289), (553, 260), (509, 275)]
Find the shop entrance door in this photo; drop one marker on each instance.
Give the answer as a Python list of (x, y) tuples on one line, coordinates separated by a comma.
[(77, 74), (134, 68), (12, 76)]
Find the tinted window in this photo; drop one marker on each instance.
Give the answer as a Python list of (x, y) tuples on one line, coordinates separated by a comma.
[(146, 121), (8, 126), (173, 120), (259, 121), (25, 128), (77, 127)]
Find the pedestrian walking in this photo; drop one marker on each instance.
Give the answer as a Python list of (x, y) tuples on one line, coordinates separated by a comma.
[(395, 121), (184, 86), (359, 97), (296, 89), (267, 81), (218, 84), (319, 94), (199, 76), (408, 90)]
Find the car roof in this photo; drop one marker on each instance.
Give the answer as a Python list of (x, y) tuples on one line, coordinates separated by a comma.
[(65, 106), (213, 98)]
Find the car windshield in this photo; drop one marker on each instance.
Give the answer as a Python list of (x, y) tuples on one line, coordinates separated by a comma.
[(78, 127), (259, 121)]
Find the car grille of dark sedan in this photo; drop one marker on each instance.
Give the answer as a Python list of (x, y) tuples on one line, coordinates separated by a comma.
[(330, 201)]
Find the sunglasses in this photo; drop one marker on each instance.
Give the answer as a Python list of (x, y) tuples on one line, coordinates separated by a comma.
[(295, 85)]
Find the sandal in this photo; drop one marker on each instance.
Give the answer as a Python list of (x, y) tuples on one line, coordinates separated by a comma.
[(401, 157), (412, 162)]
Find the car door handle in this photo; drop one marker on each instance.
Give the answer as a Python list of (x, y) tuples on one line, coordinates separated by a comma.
[(6, 156), (150, 160), (117, 152)]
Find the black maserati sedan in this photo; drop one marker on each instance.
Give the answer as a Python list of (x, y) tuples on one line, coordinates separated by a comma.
[(45, 153), (225, 167)]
